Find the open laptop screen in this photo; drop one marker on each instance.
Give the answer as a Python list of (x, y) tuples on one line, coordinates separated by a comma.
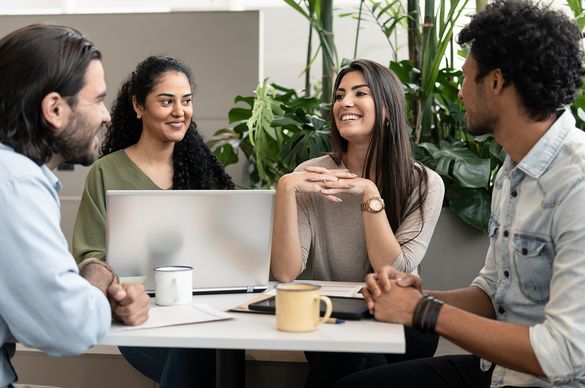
[(224, 235)]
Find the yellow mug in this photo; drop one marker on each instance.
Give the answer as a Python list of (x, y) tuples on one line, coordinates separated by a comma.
[(297, 307)]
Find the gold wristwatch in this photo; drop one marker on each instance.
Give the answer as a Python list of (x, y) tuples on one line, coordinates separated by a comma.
[(373, 205)]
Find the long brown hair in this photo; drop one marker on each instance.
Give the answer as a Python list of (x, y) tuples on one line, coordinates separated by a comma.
[(389, 152)]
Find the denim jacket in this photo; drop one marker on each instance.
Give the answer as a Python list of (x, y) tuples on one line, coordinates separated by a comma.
[(535, 266)]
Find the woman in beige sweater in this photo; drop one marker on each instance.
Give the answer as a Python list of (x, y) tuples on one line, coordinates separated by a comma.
[(365, 205)]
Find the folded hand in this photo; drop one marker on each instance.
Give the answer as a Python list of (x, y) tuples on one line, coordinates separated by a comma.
[(396, 305), (382, 281), (130, 304), (339, 181)]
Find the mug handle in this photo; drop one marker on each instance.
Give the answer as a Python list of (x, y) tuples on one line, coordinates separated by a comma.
[(328, 310)]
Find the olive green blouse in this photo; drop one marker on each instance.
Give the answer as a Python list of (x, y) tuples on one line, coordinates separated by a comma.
[(112, 172)]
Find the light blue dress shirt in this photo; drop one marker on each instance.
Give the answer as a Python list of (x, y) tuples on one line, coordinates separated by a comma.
[(535, 266), (44, 303)]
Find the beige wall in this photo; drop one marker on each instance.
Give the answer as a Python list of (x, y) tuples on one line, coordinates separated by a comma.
[(455, 255)]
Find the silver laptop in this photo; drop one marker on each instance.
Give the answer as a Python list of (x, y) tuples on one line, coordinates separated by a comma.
[(224, 235)]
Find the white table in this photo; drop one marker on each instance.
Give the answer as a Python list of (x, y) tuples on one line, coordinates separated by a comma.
[(258, 331)]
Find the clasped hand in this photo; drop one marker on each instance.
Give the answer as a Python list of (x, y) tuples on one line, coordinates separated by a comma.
[(330, 182), (392, 295), (130, 304)]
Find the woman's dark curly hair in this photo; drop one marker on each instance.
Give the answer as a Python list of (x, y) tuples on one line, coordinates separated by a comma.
[(537, 49), (195, 167)]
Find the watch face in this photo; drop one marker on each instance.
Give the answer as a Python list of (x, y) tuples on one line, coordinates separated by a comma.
[(376, 205)]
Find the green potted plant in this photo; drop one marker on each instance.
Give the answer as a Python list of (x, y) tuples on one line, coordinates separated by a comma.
[(276, 129)]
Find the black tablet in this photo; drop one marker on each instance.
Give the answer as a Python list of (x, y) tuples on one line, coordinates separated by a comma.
[(343, 308)]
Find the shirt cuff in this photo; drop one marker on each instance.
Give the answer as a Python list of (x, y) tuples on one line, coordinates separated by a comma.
[(483, 285), (553, 354)]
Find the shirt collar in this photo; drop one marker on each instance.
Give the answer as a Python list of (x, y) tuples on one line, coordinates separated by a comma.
[(51, 178), (541, 155)]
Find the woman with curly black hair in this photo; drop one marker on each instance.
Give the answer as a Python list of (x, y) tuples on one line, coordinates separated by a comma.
[(151, 144)]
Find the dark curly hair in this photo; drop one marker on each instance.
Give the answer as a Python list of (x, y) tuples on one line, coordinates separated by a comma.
[(389, 152), (34, 61), (537, 49), (194, 165)]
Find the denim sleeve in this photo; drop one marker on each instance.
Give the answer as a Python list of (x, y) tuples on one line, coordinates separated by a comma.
[(488, 277), (559, 341), (43, 300)]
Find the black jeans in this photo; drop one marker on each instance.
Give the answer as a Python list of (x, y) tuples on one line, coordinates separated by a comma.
[(325, 368), (456, 371), (174, 367)]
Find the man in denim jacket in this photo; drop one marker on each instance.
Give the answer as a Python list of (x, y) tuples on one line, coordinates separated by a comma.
[(523, 317)]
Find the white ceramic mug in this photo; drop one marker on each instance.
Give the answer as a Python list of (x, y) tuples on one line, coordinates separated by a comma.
[(173, 285)]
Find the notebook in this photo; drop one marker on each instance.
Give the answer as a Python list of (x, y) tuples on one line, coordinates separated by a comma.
[(224, 235)]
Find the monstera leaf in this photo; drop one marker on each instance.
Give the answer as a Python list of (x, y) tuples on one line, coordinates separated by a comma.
[(468, 177), (460, 164)]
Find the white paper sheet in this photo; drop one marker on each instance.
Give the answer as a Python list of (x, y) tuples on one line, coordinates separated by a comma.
[(160, 316), (340, 289)]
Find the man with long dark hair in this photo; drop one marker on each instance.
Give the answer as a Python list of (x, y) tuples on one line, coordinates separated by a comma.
[(52, 93), (523, 317)]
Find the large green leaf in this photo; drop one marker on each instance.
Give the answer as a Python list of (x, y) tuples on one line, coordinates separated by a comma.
[(285, 122), (472, 172), (402, 70), (497, 151), (430, 148), (460, 164), (246, 99), (471, 205), (226, 154), (260, 121), (238, 114)]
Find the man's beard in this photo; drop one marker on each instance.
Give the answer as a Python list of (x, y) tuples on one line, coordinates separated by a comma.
[(75, 142), (483, 126)]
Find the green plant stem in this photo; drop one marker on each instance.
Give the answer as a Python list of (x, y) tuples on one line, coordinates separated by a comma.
[(309, 50), (413, 33), (357, 30), (329, 65)]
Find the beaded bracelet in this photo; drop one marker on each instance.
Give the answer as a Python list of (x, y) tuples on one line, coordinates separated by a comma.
[(426, 314)]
